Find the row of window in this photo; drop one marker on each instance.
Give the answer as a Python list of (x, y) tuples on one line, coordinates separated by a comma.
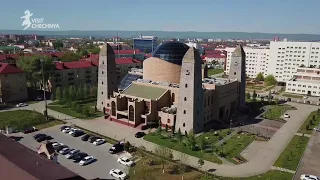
[(299, 90), (299, 85)]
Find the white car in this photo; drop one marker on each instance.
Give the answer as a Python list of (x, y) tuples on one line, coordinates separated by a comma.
[(21, 105), (64, 151), (66, 130), (286, 116), (72, 153), (304, 97), (309, 177), (125, 161), (317, 129), (86, 160), (99, 141), (118, 174), (56, 144)]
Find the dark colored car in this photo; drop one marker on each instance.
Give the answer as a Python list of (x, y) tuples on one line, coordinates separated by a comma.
[(77, 158), (289, 99), (42, 138), (60, 147), (85, 137), (116, 148), (30, 130), (92, 139), (77, 133), (38, 135), (139, 134), (63, 127)]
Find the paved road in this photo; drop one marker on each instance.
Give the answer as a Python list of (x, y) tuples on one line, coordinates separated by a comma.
[(310, 163), (260, 163), (99, 169)]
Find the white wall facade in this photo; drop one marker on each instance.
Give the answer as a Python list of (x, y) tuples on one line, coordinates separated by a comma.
[(285, 57), (257, 60)]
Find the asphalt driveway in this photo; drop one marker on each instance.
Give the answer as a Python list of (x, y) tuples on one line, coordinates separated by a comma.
[(99, 169)]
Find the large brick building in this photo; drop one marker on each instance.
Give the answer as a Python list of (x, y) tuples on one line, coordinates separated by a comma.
[(174, 90)]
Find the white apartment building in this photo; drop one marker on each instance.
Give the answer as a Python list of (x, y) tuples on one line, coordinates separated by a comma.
[(306, 81), (286, 57), (257, 60)]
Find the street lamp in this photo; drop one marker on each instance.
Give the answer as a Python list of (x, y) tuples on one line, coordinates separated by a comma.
[(44, 91)]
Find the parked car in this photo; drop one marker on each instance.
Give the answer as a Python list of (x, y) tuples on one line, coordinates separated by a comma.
[(63, 127), (30, 130), (64, 151), (317, 129), (286, 116), (305, 97), (86, 160), (42, 138), (59, 148), (99, 142), (118, 174), (38, 135), (116, 148), (289, 99), (309, 177), (66, 130), (72, 153), (21, 105), (56, 144), (77, 133), (77, 158), (73, 130), (139, 134), (38, 98), (93, 138), (125, 161), (85, 137)]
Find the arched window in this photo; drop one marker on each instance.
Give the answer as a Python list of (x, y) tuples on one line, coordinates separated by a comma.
[(185, 98), (173, 96), (113, 108), (131, 113), (186, 85)]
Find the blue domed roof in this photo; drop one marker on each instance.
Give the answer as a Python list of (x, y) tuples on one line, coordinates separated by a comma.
[(171, 51)]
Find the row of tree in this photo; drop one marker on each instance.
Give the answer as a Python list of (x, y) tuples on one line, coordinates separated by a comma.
[(269, 80), (73, 93)]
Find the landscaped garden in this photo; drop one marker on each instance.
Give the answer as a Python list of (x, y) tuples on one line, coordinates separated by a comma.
[(311, 122), (274, 112), (22, 119), (292, 154), (79, 103), (214, 71)]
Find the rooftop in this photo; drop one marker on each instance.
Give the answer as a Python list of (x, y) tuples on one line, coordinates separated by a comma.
[(144, 91), (126, 61), (217, 81), (6, 68)]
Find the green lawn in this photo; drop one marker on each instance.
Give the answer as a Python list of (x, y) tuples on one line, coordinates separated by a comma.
[(235, 145), (71, 112), (315, 123), (48, 124), (276, 111), (214, 71), (292, 154), (212, 138), (292, 95), (270, 175), (169, 143), (22, 119), (255, 87)]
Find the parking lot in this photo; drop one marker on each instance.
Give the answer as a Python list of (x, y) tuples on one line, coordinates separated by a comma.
[(98, 169)]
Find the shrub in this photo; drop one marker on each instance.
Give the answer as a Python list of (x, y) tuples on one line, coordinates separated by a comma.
[(74, 106), (79, 108)]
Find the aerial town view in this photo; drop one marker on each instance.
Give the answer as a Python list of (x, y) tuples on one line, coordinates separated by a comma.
[(167, 90)]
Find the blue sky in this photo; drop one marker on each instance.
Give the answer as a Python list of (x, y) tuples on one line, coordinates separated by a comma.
[(278, 16)]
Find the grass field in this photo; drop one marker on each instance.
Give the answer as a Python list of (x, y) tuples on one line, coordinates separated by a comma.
[(214, 71), (48, 124), (276, 111), (23, 119), (315, 123), (292, 154), (270, 175), (167, 142)]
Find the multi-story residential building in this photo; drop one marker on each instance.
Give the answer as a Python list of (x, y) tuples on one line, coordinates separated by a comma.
[(146, 44), (286, 57), (306, 81), (257, 60), (13, 84)]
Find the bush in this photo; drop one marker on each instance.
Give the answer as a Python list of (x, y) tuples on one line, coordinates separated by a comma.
[(79, 108), (74, 106), (127, 146)]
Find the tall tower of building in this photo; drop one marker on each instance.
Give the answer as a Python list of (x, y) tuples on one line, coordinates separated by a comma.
[(107, 78), (190, 107), (238, 71)]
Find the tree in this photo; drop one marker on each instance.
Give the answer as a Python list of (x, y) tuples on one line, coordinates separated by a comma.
[(166, 127), (58, 94), (80, 93), (57, 44), (259, 77), (159, 129), (254, 95), (164, 153), (95, 50), (72, 93), (86, 92), (269, 96), (183, 161), (74, 106), (127, 146), (270, 80), (179, 136), (86, 110), (70, 56), (94, 91), (191, 141), (32, 66), (202, 144), (200, 162), (79, 108), (66, 95), (248, 95)]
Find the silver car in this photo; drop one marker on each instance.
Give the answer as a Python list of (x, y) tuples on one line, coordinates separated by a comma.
[(72, 153)]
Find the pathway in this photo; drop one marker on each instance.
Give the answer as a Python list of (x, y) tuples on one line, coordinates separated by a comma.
[(305, 135), (226, 138), (267, 155), (283, 169)]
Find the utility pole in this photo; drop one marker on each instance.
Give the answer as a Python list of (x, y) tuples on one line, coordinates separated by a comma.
[(44, 91)]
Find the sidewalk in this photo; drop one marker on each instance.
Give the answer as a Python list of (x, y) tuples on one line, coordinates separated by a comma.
[(268, 155)]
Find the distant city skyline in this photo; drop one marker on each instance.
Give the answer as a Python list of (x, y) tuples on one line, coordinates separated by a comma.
[(141, 15)]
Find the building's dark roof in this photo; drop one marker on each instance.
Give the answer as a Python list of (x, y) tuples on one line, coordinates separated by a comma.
[(19, 162), (9, 69), (171, 51)]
